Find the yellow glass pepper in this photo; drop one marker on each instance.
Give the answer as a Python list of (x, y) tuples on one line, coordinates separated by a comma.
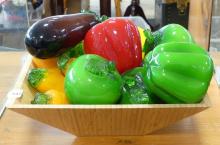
[(50, 97), (45, 79), (44, 63), (143, 39)]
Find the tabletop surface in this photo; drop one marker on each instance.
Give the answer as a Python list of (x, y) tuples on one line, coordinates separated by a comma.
[(15, 129)]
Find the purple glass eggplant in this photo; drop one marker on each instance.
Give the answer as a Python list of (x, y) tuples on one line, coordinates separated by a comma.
[(51, 36)]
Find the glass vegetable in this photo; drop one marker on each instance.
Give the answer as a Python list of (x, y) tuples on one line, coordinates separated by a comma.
[(44, 63), (65, 59), (44, 79), (117, 40), (50, 97), (168, 33), (92, 79), (178, 72), (134, 90), (51, 36)]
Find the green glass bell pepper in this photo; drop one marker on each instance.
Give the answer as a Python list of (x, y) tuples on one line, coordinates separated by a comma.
[(92, 79), (168, 33), (178, 72), (134, 90)]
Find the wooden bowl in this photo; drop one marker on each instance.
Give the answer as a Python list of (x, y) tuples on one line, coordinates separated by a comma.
[(99, 120)]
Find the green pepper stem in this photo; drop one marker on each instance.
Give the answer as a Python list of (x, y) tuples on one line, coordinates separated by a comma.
[(35, 76), (149, 43), (73, 52), (100, 67), (40, 98)]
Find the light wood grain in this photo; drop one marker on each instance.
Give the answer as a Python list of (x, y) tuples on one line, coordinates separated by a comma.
[(10, 66), (200, 21), (16, 129), (112, 121)]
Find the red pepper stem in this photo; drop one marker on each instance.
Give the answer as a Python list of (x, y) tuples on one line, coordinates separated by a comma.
[(98, 18)]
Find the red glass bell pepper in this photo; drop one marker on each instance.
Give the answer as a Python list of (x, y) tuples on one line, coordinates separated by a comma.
[(117, 40)]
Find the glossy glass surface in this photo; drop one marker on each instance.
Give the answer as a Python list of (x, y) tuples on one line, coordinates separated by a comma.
[(50, 36), (117, 40), (172, 33), (134, 90), (92, 80), (178, 72), (143, 39), (46, 79), (168, 33)]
